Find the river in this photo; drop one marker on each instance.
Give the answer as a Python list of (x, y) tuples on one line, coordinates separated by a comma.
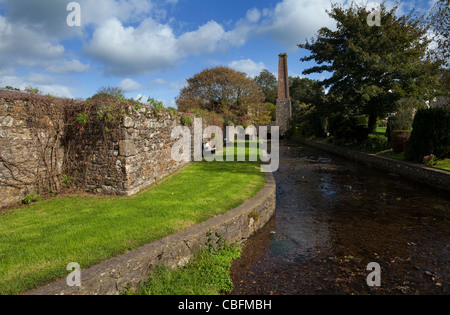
[(333, 218)]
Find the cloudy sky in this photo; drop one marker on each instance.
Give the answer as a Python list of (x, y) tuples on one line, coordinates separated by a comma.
[(150, 47)]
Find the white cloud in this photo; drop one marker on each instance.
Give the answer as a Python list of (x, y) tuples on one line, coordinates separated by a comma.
[(128, 38), (45, 84), (48, 17), (66, 66), (293, 21), (21, 46), (129, 85), (152, 46), (204, 40), (158, 81), (100, 11), (248, 66), (253, 15), (177, 85), (129, 50)]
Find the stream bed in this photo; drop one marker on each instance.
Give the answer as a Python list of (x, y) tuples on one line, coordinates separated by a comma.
[(333, 218)]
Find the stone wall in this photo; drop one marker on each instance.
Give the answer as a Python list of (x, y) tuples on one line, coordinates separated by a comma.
[(137, 155), (284, 115), (30, 148), (115, 275), (144, 150)]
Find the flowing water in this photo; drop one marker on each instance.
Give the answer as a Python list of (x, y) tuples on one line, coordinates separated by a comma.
[(333, 218)]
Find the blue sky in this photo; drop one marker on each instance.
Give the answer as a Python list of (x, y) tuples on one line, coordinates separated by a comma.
[(150, 47)]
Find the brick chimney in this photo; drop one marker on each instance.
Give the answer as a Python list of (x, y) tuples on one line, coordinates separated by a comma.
[(283, 79), (284, 108)]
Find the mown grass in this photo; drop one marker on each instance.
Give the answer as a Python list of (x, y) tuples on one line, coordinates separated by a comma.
[(381, 130), (244, 150), (37, 242), (443, 164)]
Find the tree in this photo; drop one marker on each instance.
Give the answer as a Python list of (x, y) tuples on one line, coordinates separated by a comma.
[(372, 66), (224, 91), (110, 92), (439, 20), (269, 86), (306, 91), (308, 105)]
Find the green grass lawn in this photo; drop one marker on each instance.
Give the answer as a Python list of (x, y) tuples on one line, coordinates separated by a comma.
[(443, 164), (250, 150), (381, 131), (396, 156), (37, 242)]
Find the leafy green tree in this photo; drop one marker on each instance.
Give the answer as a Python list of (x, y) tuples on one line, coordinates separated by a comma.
[(306, 91), (372, 66), (272, 110), (110, 92), (269, 86), (439, 20)]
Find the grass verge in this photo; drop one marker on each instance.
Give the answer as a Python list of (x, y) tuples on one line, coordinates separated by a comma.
[(37, 242), (207, 274), (244, 150), (443, 164)]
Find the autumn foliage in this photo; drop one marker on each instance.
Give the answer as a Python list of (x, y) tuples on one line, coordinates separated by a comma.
[(227, 92)]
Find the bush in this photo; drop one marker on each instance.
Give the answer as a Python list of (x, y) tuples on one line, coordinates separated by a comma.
[(375, 143), (430, 160), (186, 120), (157, 105), (382, 123), (349, 128), (107, 92), (31, 198), (273, 111), (403, 120), (399, 122), (399, 139), (430, 134)]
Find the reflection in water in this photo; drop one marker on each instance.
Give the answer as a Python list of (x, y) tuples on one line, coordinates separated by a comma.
[(333, 218)]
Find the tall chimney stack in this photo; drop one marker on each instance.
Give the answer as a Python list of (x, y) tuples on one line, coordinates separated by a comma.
[(284, 107)]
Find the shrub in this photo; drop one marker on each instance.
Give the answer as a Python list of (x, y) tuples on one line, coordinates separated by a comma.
[(11, 88), (32, 90), (430, 134), (82, 118), (349, 128), (398, 122), (173, 110), (157, 105), (273, 111), (67, 180), (186, 120), (430, 160), (31, 198), (109, 92), (399, 139), (375, 143), (404, 117), (382, 123)]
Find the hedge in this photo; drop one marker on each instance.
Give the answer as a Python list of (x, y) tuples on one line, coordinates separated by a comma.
[(430, 134)]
